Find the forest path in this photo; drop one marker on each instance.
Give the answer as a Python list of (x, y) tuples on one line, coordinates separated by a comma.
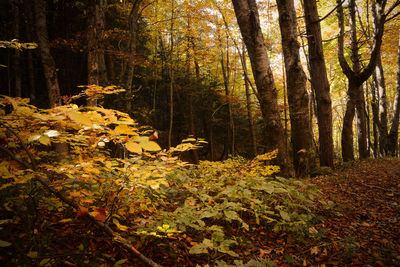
[(367, 195)]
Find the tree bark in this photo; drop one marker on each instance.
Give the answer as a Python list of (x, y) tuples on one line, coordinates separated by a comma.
[(249, 23), (320, 83), (393, 138), (49, 65), (298, 98)]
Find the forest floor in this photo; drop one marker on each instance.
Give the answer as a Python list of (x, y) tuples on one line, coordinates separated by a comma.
[(362, 228), (367, 230)]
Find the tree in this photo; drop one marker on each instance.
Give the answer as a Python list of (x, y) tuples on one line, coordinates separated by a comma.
[(319, 82), (249, 23), (93, 46), (393, 137), (298, 98), (356, 77), (49, 66)]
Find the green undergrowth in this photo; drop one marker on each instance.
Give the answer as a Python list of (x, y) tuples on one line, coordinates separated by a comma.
[(216, 206)]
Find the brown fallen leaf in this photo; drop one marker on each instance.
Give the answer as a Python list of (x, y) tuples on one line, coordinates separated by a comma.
[(82, 212)]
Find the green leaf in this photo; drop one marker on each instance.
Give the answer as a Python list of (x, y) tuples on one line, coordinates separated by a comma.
[(4, 244), (284, 215), (120, 262), (231, 215), (202, 247)]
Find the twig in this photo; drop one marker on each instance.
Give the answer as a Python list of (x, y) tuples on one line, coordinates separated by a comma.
[(12, 155), (33, 162)]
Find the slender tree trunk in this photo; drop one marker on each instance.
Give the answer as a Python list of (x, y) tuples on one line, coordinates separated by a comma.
[(49, 65), (31, 70), (301, 132), (93, 47), (248, 104), (133, 28), (320, 83), (226, 76), (375, 118), (394, 130), (171, 77), (17, 54), (248, 19), (100, 27)]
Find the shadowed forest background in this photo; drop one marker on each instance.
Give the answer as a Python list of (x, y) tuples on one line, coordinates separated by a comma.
[(170, 124)]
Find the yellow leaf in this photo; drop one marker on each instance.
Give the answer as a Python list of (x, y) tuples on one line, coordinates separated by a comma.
[(32, 254), (150, 146), (45, 140), (120, 226), (133, 147), (65, 220), (24, 111), (125, 129), (79, 118)]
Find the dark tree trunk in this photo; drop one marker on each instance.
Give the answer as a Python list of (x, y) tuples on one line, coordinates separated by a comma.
[(320, 83), (49, 65), (248, 104), (93, 47), (301, 132), (17, 54), (248, 19), (394, 130)]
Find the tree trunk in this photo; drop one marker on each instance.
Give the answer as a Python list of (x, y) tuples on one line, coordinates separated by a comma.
[(100, 27), (49, 66), (226, 75), (17, 54), (31, 70), (356, 78), (248, 19), (301, 132), (394, 130), (93, 49), (248, 104), (320, 83)]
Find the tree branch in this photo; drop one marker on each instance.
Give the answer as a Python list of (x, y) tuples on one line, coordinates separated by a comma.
[(33, 162)]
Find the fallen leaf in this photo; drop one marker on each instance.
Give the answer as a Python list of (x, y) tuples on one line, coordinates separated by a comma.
[(82, 212)]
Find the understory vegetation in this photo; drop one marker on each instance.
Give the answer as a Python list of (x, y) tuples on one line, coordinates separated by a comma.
[(61, 184)]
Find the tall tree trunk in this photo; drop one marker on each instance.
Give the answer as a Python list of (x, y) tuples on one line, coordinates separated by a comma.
[(133, 31), (248, 19), (229, 149), (301, 132), (49, 65), (100, 28), (17, 54), (171, 77), (248, 103), (31, 70), (93, 47), (320, 83), (394, 130), (356, 78)]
